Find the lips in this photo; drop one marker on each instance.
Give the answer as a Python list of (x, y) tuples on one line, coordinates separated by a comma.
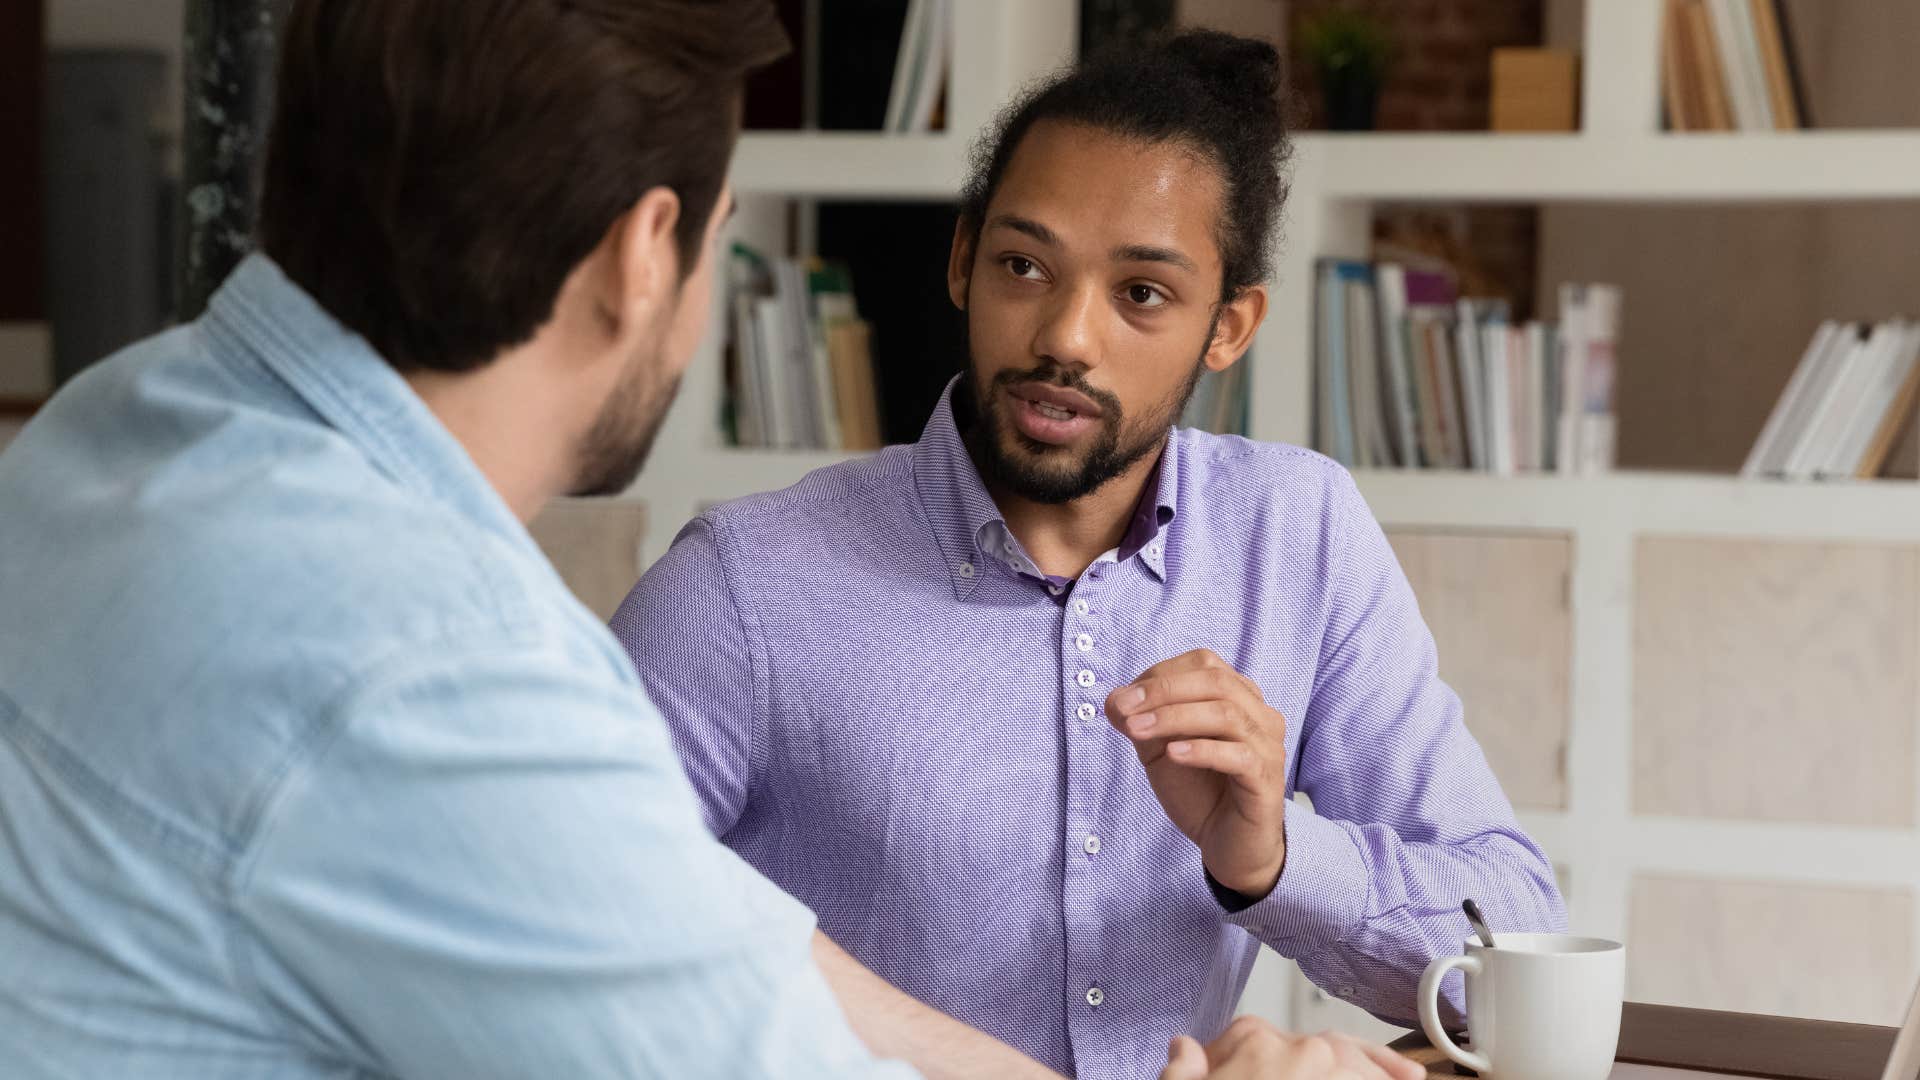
[(1050, 415), (1056, 400)]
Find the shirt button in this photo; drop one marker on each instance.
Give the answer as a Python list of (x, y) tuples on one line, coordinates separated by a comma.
[(1086, 710), (1055, 590), (964, 569), (1080, 607), (1095, 997), (1085, 678), (1084, 642), (1092, 845), (1154, 551)]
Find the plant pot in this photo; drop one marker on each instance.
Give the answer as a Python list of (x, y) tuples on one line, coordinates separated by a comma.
[(1351, 102)]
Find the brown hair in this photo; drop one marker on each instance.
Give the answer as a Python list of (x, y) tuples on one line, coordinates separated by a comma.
[(438, 167)]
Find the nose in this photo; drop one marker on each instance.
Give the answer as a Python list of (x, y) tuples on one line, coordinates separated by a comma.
[(1068, 330)]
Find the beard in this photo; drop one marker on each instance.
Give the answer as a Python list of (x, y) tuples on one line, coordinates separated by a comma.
[(621, 437), (1010, 461)]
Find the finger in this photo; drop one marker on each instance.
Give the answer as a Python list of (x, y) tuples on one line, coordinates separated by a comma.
[(1235, 759), (1150, 692), (1195, 720), (1185, 1060)]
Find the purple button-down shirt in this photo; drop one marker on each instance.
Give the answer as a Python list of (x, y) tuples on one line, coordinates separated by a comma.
[(906, 733)]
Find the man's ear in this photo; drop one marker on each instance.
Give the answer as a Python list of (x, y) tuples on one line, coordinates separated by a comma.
[(645, 270), (960, 263), (1233, 331)]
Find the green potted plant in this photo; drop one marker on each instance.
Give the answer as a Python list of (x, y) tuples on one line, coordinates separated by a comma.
[(1350, 51)]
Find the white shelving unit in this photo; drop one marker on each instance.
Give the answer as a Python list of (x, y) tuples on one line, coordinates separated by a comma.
[(1620, 156)]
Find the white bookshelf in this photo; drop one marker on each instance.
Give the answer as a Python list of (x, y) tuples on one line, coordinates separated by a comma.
[(1619, 156)]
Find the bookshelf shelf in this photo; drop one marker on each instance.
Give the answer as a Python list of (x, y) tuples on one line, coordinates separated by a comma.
[(849, 165), (1647, 503), (1809, 165)]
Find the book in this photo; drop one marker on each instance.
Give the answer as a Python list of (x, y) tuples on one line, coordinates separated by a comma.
[(1430, 296), (1371, 449), (1774, 48), (1679, 92), (1573, 353), (1899, 414), (1595, 440), (1833, 389), (1495, 349), (1769, 450), (849, 347), (1538, 430), (1390, 282), (1709, 72), (920, 66), (1420, 324), (1802, 104), (1467, 355), (1447, 383), (1740, 53), (1884, 372), (747, 281), (1334, 430)]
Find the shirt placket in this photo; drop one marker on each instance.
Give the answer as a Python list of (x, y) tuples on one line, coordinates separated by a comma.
[(1088, 666)]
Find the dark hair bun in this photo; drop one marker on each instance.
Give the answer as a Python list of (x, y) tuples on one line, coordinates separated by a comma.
[(1242, 72)]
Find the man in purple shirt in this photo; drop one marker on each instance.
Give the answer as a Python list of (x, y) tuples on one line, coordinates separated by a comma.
[(1019, 709)]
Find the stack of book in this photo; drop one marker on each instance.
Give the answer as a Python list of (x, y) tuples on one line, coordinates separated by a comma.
[(1410, 374), (1219, 403), (1728, 65), (799, 366), (1846, 405)]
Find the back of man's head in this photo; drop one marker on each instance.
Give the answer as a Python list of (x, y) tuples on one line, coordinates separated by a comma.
[(438, 167)]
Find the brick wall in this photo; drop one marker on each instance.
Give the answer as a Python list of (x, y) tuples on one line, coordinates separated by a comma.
[(1440, 80)]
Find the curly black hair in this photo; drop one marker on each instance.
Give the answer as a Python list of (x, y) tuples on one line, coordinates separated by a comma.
[(1217, 93)]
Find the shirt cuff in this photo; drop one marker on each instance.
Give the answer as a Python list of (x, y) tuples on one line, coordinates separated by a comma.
[(1322, 889)]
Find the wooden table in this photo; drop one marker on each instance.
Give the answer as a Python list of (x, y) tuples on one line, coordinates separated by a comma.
[(1737, 1044)]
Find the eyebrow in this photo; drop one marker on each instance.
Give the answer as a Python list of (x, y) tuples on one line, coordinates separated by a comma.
[(1123, 253), (1149, 253), (1026, 225)]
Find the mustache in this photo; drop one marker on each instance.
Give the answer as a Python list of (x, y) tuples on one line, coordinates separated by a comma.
[(1056, 375)]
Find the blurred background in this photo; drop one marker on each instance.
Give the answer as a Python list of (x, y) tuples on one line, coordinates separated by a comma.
[(1605, 303)]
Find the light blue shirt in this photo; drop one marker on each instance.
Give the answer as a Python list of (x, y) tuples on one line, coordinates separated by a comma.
[(311, 767)]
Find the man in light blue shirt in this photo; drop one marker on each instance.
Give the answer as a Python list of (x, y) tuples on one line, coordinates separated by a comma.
[(309, 764)]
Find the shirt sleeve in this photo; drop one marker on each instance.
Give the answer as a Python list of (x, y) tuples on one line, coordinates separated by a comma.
[(492, 867), (696, 654), (1407, 819)]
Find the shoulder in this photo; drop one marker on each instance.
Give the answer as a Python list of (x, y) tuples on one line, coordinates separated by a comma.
[(870, 490), (843, 511), (1275, 483)]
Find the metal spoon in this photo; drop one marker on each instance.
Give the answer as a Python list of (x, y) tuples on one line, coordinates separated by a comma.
[(1479, 923)]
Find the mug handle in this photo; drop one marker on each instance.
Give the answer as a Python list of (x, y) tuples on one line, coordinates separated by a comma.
[(1429, 1001)]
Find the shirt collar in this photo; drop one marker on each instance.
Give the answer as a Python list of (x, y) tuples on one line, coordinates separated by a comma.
[(360, 395), (964, 518)]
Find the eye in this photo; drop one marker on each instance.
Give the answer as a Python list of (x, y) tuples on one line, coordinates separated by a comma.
[(1022, 267), (1146, 296)]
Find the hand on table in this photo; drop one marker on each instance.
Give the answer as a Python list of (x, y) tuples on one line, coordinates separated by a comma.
[(1252, 1049), (1216, 755)]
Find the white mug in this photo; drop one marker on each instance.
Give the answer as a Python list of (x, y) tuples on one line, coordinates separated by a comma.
[(1539, 1006)]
